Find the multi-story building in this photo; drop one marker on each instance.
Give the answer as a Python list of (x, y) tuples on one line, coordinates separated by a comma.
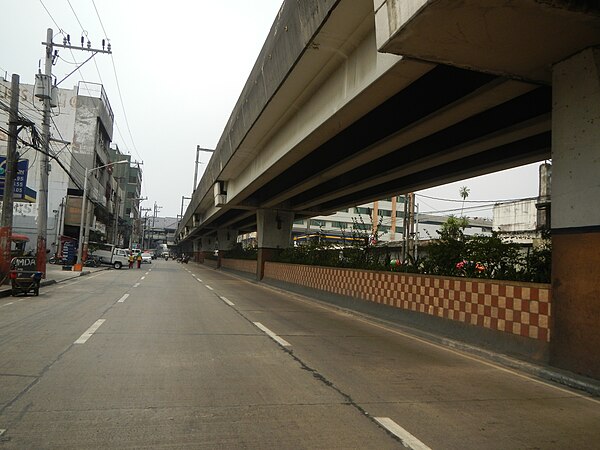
[(129, 177), (81, 131), (384, 218)]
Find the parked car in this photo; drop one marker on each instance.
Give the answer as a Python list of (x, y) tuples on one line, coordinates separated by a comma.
[(111, 255)]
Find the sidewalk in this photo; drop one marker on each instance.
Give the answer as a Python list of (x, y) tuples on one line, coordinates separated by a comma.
[(55, 274)]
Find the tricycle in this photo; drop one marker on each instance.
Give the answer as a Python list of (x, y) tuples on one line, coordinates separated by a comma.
[(24, 276)]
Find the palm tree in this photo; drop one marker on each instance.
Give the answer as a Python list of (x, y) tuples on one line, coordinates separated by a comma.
[(464, 193)]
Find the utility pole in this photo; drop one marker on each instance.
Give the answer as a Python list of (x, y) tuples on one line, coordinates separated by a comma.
[(46, 80), (42, 197), (59, 225), (411, 225), (116, 229), (146, 210), (405, 228), (156, 208), (138, 200), (9, 176)]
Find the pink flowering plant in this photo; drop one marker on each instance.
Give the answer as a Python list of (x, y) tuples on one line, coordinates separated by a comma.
[(471, 269)]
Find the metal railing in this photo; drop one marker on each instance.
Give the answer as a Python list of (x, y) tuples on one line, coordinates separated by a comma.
[(95, 90)]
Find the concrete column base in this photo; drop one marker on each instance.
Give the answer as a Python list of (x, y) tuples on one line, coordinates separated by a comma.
[(575, 339), (264, 255)]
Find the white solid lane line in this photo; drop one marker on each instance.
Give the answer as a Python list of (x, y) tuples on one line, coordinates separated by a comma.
[(407, 439), (272, 335), (230, 303), (90, 331), (122, 299)]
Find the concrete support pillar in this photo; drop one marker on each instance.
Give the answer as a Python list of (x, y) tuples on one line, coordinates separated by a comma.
[(208, 246), (197, 251), (226, 239), (575, 337), (274, 232)]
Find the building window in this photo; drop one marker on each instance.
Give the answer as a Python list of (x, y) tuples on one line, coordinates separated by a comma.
[(317, 223), (366, 211), (340, 225), (299, 222), (385, 213)]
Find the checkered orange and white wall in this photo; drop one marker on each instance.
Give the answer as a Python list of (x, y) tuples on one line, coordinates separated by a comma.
[(519, 308), (241, 265)]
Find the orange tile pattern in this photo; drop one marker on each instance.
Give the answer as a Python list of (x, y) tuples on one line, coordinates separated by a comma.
[(241, 265), (517, 308)]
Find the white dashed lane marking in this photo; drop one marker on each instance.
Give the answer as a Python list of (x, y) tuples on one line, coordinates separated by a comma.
[(122, 299), (90, 331), (272, 335), (407, 439), (230, 303)]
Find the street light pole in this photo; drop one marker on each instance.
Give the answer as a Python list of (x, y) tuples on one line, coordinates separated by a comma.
[(183, 197), (198, 150), (83, 228)]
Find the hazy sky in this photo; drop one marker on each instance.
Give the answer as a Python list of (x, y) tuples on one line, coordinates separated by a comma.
[(180, 67)]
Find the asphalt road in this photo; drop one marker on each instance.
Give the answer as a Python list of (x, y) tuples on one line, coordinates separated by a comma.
[(182, 356)]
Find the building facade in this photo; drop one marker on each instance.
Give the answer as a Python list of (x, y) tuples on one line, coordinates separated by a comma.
[(384, 219), (81, 130)]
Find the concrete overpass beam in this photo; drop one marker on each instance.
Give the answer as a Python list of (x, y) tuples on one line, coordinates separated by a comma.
[(274, 233), (575, 336)]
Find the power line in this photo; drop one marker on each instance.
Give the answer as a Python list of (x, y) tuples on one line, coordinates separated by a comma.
[(118, 84), (473, 201), (100, 20), (76, 17), (123, 107), (59, 28)]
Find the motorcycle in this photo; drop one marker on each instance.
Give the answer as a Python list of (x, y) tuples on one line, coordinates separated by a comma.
[(92, 261)]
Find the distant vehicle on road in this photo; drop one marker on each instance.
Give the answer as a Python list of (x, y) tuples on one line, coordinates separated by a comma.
[(146, 258)]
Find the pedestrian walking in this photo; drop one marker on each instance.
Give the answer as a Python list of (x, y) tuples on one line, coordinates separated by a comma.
[(130, 259), (139, 259)]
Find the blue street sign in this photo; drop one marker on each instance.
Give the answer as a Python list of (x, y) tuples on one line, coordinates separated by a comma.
[(20, 189)]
